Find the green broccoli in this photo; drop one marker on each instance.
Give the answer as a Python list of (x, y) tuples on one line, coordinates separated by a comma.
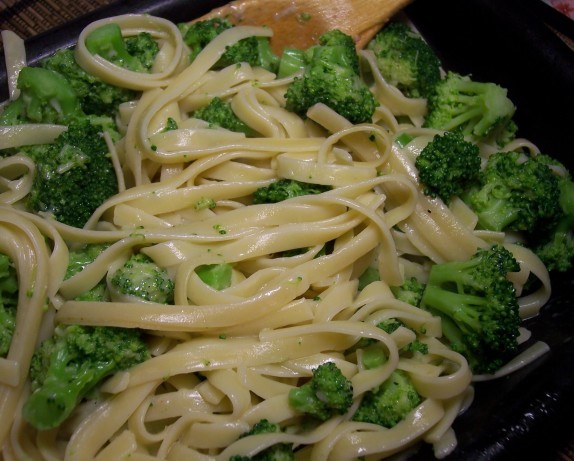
[(255, 51), (514, 192), (45, 97), (135, 53), (326, 394), (277, 452), (217, 276), (8, 302), (74, 175), (70, 364), (292, 60), (482, 110), (218, 113), (554, 244), (410, 291), (477, 305), (331, 76), (141, 277), (406, 60), (78, 260), (369, 275), (95, 96), (284, 189), (448, 165), (389, 403)]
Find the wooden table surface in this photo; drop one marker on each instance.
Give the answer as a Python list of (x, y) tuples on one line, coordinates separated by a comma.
[(31, 17)]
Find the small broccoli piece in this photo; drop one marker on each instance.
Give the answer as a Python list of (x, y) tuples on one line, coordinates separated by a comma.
[(326, 394), (554, 245), (410, 291), (448, 165), (218, 113), (284, 189), (482, 110), (217, 276), (133, 53), (78, 260), (95, 96), (369, 275), (477, 305), (70, 364), (255, 51), (140, 276), (292, 61), (45, 97), (8, 302), (331, 76), (406, 60), (74, 175), (514, 192), (277, 452), (389, 403)]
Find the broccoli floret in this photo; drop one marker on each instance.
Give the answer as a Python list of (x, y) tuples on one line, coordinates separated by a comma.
[(284, 189), (477, 305), (218, 113), (410, 291), (217, 276), (482, 110), (74, 175), (331, 76), (448, 165), (78, 260), (45, 97), (135, 53), (255, 51), (389, 403), (140, 276), (70, 364), (406, 60), (514, 192), (95, 96), (554, 245), (326, 394), (8, 302), (277, 452)]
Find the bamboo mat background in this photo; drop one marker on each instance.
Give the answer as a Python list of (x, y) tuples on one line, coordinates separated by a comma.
[(28, 18)]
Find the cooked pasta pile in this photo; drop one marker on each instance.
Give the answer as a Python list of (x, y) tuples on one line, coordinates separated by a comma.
[(224, 359)]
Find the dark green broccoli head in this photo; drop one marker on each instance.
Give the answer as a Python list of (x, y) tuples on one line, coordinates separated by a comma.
[(8, 302), (67, 366), (327, 394), (478, 306), (515, 192), (389, 403), (95, 96), (482, 110), (140, 276), (74, 175), (277, 452), (255, 51), (406, 60), (218, 113), (331, 76), (135, 53), (45, 97), (448, 165), (284, 189)]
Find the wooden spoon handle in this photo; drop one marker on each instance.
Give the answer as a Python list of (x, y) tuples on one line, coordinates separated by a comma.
[(298, 23)]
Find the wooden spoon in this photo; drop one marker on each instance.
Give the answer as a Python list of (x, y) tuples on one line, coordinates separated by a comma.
[(299, 23)]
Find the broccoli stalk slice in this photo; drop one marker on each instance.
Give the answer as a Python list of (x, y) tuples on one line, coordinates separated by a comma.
[(107, 41), (217, 276), (46, 97)]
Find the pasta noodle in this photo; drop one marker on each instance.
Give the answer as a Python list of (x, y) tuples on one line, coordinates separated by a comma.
[(224, 359)]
